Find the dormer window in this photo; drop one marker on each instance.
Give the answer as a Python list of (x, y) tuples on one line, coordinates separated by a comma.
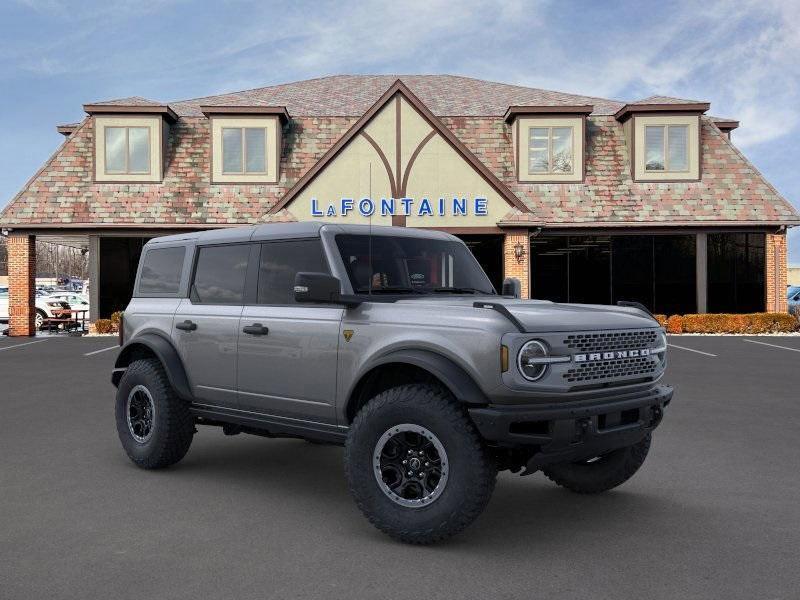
[(548, 142), (663, 138), (244, 150), (129, 140), (666, 148), (127, 150), (245, 143), (550, 150)]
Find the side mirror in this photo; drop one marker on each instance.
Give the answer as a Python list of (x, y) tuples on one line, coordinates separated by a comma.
[(320, 288), (511, 287)]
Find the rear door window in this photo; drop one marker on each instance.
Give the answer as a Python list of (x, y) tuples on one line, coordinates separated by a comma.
[(280, 262), (220, 274), (161, 271)]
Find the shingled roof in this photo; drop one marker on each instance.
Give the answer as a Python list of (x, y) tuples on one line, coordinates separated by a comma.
[(731, 191), (352, 95)]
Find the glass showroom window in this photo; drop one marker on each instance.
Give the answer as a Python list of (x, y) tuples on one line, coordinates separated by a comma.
[(244, 150), (550, 150), (127, 150), (666, 148)]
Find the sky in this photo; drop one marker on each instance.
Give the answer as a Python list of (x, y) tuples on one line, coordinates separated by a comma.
[(741, 56)]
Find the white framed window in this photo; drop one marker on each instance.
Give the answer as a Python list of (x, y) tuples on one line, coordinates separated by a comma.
[(666, 148), (127, 150), (244, 150), (550, 150)]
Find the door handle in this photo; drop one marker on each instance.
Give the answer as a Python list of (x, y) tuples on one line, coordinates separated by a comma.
[(186, 326), (255, 329)]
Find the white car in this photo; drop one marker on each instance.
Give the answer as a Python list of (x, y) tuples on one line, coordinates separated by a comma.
[(76, 300), (45, 306)]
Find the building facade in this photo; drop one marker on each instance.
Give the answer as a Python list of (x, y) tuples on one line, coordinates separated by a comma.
[(582, 199)]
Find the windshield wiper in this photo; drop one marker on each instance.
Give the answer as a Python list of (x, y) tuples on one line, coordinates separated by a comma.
[(398, 289), (459, 290)]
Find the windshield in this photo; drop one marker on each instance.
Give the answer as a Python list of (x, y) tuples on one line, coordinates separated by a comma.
[(411, 265)]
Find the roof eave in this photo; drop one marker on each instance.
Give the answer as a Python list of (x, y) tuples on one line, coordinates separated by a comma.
[(279, 111), (131, 109), (727, 125), (576, 109), (630, 109)]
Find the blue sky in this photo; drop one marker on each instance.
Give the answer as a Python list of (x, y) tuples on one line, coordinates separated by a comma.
[(56, 55)]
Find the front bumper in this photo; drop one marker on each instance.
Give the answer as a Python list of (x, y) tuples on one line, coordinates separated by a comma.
[(576, 430)]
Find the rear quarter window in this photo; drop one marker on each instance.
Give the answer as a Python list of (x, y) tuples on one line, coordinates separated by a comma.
[(161, 271)]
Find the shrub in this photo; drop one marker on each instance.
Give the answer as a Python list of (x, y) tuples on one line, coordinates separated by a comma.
[(103, 326), (752, 323), (116, 318), (662, 320), (674, 324)]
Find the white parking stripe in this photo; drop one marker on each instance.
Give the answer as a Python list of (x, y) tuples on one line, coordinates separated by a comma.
[(692, 350), (771, 345), (20, 345), (101, 350)]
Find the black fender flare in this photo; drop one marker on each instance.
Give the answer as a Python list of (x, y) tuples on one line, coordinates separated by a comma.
[(454, 377), (166, 354)]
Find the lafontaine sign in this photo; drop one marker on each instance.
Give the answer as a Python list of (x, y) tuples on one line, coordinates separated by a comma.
[(389, 207)]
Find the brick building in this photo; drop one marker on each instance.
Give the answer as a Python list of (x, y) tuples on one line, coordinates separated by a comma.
[(583, 199)]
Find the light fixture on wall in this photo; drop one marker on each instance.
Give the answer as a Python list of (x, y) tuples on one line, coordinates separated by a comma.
[(519, 252)]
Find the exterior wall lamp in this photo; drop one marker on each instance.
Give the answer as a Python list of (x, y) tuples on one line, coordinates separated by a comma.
[(519, 252)]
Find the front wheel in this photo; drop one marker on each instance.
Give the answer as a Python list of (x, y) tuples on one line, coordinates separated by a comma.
[(153, 424), (600, 473), (416, 466)]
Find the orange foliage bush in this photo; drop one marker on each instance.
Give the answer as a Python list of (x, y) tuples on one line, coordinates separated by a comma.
[(752, 323), (674, 324), (103, 326)]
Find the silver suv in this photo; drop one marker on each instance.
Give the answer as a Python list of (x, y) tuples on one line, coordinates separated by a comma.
[(392, 342)]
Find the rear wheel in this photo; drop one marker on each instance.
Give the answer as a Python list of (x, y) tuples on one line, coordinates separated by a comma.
[(153, 424), (600, 473), (416, 466), (39, 318)]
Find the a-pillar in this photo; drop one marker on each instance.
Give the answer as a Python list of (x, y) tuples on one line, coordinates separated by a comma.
[(21, 284), (516, 263)]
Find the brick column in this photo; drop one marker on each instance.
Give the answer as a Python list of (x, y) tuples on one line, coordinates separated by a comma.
[(511, 266), (775, 273), (21, 284)]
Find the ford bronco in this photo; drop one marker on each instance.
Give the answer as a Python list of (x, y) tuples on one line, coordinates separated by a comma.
[(392, 342)]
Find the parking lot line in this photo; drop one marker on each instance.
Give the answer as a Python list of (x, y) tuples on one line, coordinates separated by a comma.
[(692, 350), (101, 350), (20, 345), (771, 345)]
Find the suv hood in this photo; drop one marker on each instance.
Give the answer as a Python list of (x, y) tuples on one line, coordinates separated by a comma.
[(542, 315)]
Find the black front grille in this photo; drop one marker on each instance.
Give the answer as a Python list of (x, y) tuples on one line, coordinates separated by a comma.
[(613, 340), (617, 368)]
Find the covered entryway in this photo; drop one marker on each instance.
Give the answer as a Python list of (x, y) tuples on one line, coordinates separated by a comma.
[(113, 259)]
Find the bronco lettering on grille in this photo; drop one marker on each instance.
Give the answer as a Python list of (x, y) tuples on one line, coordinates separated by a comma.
[(594, 356)]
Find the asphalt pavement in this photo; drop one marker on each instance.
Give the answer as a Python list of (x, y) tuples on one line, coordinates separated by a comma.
[(713, 513)]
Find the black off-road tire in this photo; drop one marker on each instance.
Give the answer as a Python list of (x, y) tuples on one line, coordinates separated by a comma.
[(471, 476), (604, 473), (172, 424)]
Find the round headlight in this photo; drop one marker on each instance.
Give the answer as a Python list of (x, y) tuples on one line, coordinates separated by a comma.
[(529, 360)]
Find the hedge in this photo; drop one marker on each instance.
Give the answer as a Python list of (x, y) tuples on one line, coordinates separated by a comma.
[(751, 323)]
